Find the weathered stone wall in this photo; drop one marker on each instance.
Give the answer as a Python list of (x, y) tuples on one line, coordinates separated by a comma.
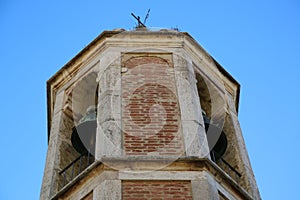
[(49, 186), (212, 97)]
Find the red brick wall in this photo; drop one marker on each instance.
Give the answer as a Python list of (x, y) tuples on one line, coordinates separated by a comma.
[(150, 110), (156, 190)]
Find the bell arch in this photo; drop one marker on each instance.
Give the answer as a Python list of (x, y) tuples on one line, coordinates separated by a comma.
[(213, 108), (229, 159), (75, 152)]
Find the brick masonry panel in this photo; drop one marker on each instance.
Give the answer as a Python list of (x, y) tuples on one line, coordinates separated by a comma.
[(156, 190), (150, 110)]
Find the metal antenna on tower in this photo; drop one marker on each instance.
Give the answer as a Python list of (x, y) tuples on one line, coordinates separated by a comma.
[(141, 24), (147, 15)]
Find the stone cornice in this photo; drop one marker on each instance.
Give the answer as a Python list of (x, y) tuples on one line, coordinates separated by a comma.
[(145, 163)]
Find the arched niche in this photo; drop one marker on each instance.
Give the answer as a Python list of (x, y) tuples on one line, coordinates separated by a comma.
[(79, 98)]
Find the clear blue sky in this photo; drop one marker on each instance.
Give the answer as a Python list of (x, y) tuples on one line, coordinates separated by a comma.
[(258, 42)]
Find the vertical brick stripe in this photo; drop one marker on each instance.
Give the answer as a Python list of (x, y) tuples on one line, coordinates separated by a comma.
[(150, 111), (156, 190)]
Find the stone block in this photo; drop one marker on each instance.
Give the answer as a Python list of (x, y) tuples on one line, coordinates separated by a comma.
[(108, 140), (108, 190)]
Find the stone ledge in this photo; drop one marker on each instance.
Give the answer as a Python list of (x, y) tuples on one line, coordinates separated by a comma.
[(142, 163)]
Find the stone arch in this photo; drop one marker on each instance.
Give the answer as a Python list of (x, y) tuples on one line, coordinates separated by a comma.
[(84, 94), (231, 161), (204, 94), (232, 155), (78, 98)]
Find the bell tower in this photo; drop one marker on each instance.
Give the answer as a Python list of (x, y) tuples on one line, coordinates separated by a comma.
[(145, 114)]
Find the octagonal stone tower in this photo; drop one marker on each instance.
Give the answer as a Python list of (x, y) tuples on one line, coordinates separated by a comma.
[(145, 115)]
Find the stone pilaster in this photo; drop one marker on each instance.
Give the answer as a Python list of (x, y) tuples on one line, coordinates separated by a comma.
[(108, 190), (109, 135), (50, 186), (191, 118), (243, 154), (204, 188)]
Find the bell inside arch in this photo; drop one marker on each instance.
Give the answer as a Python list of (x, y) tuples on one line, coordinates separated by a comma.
[(84, 135), (217, 148)]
